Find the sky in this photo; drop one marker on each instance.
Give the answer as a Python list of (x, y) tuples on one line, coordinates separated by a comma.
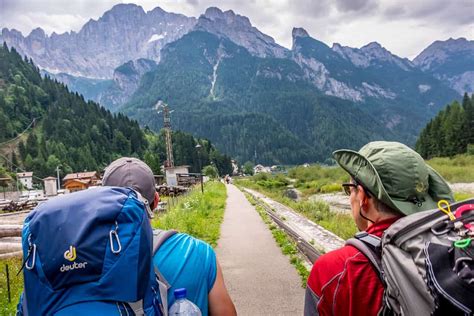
[(405, 27)]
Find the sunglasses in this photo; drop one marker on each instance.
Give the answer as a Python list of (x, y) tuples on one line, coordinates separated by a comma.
[(346, 187)]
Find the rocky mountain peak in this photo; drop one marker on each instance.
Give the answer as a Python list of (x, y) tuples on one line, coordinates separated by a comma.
[(451, 61), (299, 32), (238, 29), (375, 47), (157, 11), (228, 17), (37, 33), (439, 51), (125, 32), (213, 13), (123, 9)]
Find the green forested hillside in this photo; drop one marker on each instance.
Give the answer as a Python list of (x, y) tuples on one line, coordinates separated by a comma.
[(451, 132), (258, 109), (74, 134)]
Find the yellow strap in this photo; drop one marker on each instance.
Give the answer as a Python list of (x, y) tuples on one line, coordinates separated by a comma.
[(446, 209)]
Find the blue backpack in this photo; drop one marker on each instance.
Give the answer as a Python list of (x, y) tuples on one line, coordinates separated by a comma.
[(91, 253)]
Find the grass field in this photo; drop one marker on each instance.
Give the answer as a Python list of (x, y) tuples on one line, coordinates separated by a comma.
[(16, 285), (197, 214), (456, 169)]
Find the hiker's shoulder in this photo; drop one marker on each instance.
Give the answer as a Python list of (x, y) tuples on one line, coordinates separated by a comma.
[(339, 256), (188, 244), (336, 264), (337, 261)]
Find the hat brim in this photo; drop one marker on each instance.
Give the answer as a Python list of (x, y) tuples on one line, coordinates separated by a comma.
[(362, 170)]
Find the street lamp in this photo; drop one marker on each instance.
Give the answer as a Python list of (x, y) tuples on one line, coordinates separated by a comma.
[(198, 148)]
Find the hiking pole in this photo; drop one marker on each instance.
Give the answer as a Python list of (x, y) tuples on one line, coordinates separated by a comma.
[(8, 284)]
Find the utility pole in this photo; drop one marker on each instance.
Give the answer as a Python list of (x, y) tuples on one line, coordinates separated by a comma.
[(167, 126), (58, 180), (198, 148)]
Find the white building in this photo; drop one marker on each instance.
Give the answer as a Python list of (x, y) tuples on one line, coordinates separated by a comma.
[(171, 174), (26, 179), (50, 186)]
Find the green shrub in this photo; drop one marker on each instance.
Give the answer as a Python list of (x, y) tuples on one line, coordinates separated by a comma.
[(210, 171), (329, 188), (470, 149)]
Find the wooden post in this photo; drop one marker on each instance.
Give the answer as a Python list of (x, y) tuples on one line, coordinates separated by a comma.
[(8, 284), (202, 184)]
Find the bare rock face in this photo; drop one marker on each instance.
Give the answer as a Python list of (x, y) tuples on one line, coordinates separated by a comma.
[(126, 32), (126, 80), (239, 30), (371, 54), (451, 61)]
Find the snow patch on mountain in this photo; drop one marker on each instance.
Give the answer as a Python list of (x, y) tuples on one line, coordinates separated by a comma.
[(156, 37), (423, 88)]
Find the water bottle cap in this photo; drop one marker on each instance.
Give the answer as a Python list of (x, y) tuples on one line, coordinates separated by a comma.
[(180, 293)]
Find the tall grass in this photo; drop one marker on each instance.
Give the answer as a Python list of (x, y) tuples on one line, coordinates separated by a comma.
[(459, 168), (16, 285), (197, 214), (318, 179)]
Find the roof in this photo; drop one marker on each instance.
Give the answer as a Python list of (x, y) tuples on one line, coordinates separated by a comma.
[(24, 174), (77, 180), (50, 178), (80, 175)]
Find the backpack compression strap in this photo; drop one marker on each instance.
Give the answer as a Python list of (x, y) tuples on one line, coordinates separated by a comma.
[(369, 245)]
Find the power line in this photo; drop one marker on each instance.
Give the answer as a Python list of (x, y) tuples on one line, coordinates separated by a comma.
[(18, 167), (19, 135)]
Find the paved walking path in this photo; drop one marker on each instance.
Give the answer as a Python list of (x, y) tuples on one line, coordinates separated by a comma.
[(260, 279)]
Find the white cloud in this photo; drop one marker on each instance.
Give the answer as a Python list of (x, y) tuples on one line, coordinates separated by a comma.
[(405, 27)]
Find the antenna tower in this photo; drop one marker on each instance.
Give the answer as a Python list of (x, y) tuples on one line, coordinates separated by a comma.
[(167, 125)]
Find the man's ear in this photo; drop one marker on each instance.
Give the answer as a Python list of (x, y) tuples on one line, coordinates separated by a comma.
[(156, 200), (361, 195)]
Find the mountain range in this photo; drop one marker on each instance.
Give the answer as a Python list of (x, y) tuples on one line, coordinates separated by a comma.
[(233, 84)]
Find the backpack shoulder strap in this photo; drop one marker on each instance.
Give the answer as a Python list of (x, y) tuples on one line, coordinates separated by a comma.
[(159, 237), (370, 246)]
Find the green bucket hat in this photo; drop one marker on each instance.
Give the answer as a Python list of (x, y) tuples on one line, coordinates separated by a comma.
[(396, 175)]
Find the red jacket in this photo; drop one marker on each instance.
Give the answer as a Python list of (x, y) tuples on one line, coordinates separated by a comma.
[(343, 282)]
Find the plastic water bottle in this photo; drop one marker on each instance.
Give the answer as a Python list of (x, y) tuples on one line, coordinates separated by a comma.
[(182, 306)]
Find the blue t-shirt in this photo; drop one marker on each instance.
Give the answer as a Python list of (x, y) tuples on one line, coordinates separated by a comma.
[(187, 262)]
